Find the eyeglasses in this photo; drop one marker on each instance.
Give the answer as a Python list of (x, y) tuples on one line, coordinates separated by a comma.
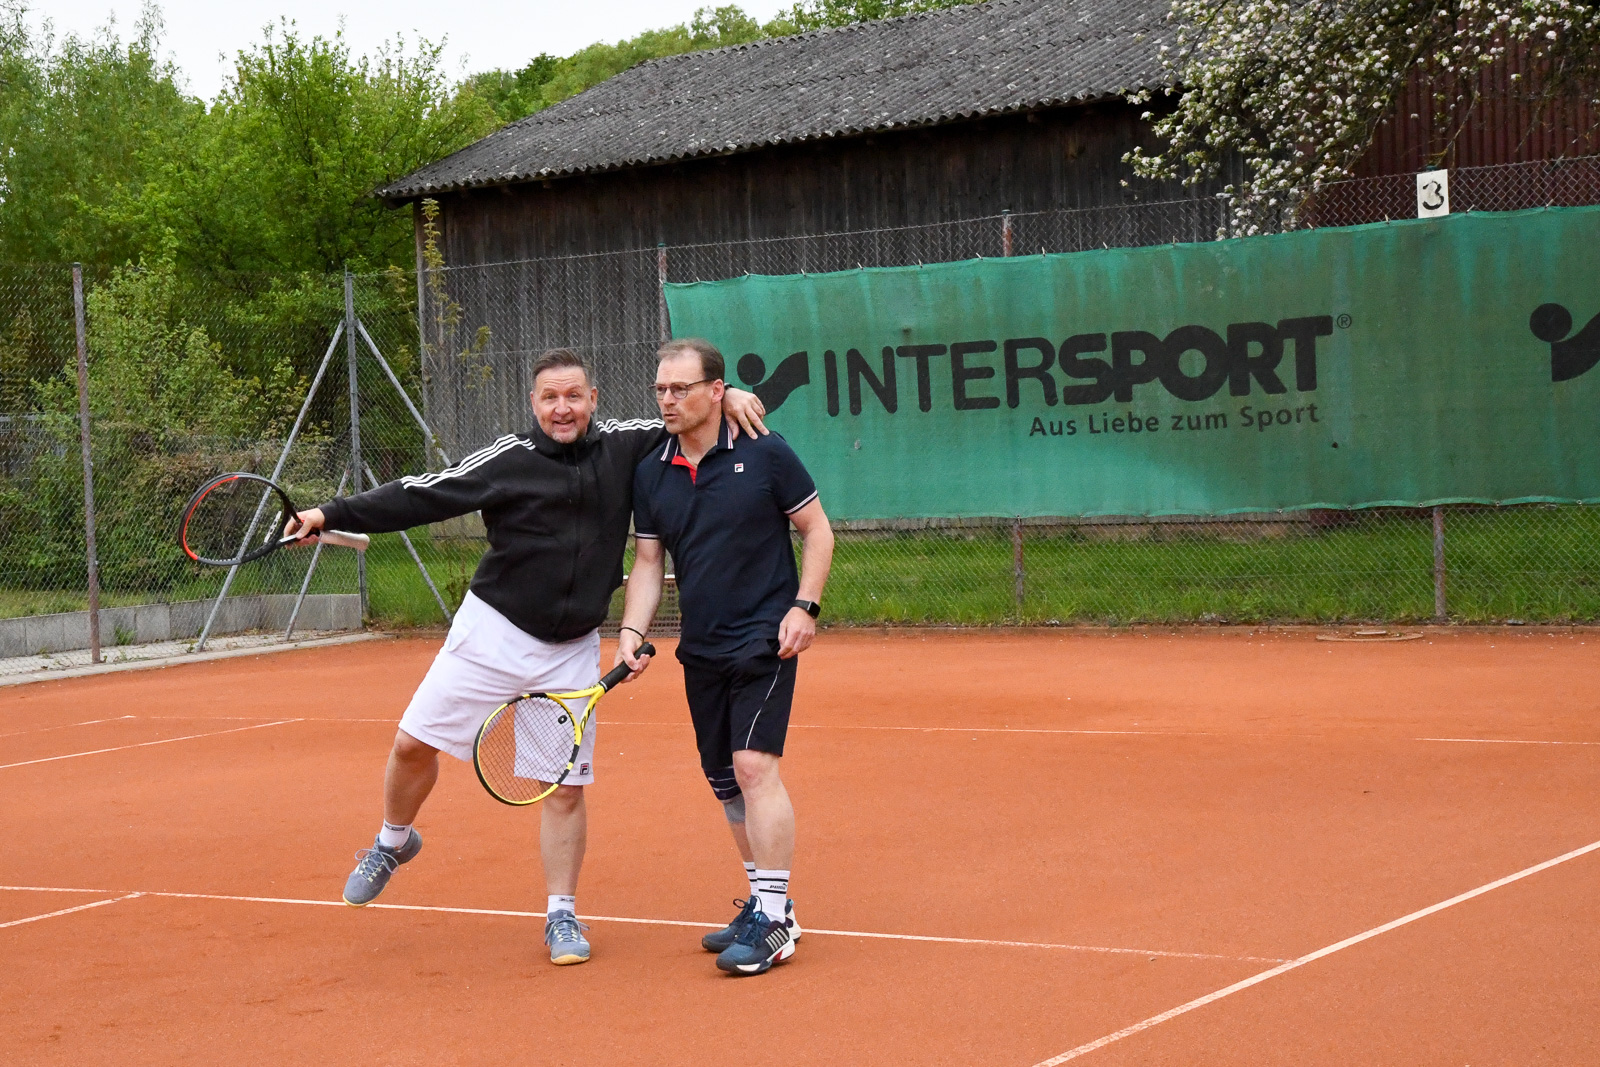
[(679, 390)]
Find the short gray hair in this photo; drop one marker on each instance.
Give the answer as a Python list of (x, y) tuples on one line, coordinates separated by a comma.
[(712, 365)]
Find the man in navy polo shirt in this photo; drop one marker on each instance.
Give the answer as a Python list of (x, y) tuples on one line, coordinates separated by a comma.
[(722, 507)]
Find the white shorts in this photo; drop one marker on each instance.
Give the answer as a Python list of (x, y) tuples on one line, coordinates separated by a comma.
[(485, 662)]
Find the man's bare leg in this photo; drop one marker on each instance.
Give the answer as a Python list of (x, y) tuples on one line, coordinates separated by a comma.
[(768, 829), (409, 778), (563, 836), (407, 781), (563, 833)]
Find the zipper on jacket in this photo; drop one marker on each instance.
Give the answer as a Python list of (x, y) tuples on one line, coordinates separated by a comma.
[(575, 498)]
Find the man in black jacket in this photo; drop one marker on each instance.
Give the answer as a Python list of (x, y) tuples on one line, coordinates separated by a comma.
[(556, 505)]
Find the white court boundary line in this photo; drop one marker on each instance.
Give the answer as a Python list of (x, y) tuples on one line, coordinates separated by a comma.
[(1503, 741), (394, 720), (69, 911), (70, 725), (144, 744), (1284, 968), (644, 922)]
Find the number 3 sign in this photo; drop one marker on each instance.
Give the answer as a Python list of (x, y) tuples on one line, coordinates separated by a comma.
[(1433, 193)]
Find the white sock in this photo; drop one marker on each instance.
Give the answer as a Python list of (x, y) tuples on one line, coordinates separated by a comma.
[(556, 902), (392, 836), (750, 873), (772, 889)]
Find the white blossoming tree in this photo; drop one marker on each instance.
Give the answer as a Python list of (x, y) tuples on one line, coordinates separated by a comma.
[(1286, 95)]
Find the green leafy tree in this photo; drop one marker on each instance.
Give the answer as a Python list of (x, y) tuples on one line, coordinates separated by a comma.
[(820, 14), (279, 174), (1295, 89), (78, 119), (158, 371), (515, 93), (710, 28)]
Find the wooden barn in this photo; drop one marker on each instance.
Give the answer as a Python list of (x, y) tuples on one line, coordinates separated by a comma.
[(984, 130), (715, 163)]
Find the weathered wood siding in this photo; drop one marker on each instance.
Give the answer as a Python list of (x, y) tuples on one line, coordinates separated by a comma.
[(573, 262), (1063, 158)]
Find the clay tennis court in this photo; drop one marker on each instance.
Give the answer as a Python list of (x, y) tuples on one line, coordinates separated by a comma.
[(1015, 849)]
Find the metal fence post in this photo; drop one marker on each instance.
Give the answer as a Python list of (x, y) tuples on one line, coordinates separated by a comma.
[(356, 466), (1019, 573), (1441, 611), (664, 324), (88, 463)]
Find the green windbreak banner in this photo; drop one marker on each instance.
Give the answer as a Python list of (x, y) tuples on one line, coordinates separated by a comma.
[(1413, 362)]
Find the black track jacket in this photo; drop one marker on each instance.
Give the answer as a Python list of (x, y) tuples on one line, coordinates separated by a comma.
[(557, 518)]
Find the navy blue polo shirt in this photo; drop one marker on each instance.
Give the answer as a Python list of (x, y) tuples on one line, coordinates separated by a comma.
[(726, 525)]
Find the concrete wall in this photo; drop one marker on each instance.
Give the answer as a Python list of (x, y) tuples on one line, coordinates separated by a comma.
[(147, 623)]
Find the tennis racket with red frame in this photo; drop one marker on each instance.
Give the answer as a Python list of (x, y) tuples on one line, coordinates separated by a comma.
[(236, 518)]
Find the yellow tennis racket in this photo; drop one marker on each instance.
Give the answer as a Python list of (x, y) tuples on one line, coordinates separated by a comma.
[(529, 744)]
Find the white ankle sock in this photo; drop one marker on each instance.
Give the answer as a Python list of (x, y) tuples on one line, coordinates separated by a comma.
[(556, 903), (392, 836), (772, 889), (750, 873)]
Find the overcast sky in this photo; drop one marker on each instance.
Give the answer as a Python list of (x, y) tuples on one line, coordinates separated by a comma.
[(203, 35)]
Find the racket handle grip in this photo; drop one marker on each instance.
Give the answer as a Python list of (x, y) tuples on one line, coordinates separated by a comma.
[(359, 542), (621, 670)]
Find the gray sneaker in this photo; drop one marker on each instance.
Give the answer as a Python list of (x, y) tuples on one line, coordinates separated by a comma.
[(564, 934), (376, 865)]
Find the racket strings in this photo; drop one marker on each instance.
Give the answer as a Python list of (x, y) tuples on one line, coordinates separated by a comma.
[(232, 519), (528, 748)]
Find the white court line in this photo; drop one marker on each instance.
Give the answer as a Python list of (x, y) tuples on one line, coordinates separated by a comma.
[(793, 726), (845, 726), (70, 725), (963, 729), (663, 922), (1503, 741), (69, 911), (144, 744), (1200, 1002)]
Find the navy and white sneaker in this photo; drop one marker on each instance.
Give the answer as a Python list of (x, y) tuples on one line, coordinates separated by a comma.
[(376, 866), (719, 940), (761, 943)]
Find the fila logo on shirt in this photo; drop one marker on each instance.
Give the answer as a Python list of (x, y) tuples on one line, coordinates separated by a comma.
[(583, 768), (738, 468)]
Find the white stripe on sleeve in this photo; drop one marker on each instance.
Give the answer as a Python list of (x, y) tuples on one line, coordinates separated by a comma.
[(471, 463)]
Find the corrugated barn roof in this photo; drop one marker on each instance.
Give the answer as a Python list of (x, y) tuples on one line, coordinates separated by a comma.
[(917, 70)]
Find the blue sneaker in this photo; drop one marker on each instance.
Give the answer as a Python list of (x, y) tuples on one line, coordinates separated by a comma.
[(564, 934), (719, 940), (761, 943), (376, 866)]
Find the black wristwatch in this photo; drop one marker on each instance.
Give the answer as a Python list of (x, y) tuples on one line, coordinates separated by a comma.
[(810, 607)]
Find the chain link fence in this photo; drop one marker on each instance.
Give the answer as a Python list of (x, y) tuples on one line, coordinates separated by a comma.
[(1532, 563), (190, 376)]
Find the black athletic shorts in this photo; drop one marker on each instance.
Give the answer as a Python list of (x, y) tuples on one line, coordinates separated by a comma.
[(738, 702)]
